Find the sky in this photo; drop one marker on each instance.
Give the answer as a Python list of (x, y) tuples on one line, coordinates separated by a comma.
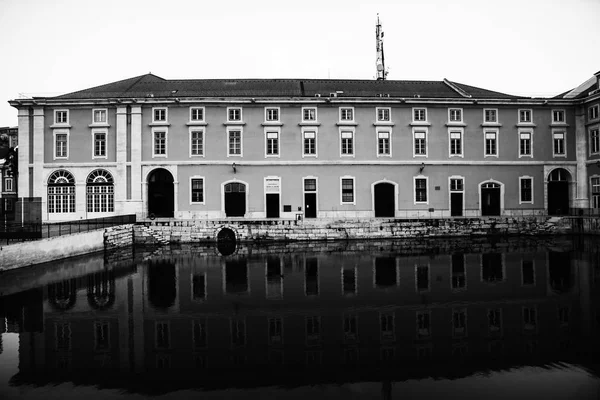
[(524, 47)]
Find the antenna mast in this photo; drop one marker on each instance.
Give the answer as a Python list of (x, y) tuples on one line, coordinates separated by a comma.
[(381, 72)]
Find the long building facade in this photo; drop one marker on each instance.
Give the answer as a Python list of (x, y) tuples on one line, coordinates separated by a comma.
[(291, 148)]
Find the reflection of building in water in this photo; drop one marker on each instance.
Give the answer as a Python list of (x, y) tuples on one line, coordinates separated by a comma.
[(333, 311)]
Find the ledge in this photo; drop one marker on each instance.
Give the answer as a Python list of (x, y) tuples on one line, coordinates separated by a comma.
[(60, 126), (383, 123), (309, 123), (234, 123), (103, 125), (559, 125), (272, 124), (526, 125), (420, 123), (456, 124), (196, 123), (491, 125), (346, 123), (159, 124)]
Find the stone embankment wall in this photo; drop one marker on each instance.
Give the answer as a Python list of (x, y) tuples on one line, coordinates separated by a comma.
[(190, 231), (118, 236)]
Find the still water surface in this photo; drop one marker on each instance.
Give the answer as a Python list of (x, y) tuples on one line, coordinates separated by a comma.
[(370, 320)]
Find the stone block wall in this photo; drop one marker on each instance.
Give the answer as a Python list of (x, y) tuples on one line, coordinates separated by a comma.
[(118, 236)]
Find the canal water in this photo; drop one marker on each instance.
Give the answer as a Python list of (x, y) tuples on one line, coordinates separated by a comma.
[(483, 318)]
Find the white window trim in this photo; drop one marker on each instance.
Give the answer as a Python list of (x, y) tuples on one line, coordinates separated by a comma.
[(383, 108), (68, 116), (346, 120), (591, 188), (154, 120), (197, 129), (414, 193), (60, 132), (590, 129), (203, 114), (413, 115), (497, 132), (450, 191), (154, 131), (530, 131), (308, 120), (597, 107), (377, 131), (271, 130), (9, 182), (353, 190), (462, 142), (94, 132), (530, 115), (199, 202), (94, 122), (237, 128), (315, 130), (420, 129), (490, 122), (461, 115), (532, 191), (278, 114), (564, 121), (241, 114), (353, 131), (564, 132)]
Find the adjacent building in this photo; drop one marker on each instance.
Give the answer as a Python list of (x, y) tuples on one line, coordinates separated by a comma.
[(8, 175), (314, 148)]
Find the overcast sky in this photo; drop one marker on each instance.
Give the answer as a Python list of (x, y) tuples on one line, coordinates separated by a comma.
[(523, 47)]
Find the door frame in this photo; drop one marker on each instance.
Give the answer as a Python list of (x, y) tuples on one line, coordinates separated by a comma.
[(547, 171), (316, 192), (384, 180), (223, 215), (501, 195), (464, 203), (265, 193), (146, 187)]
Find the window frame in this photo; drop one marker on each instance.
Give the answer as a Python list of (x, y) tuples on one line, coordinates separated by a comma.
[(521, 179), (414, 110), (383, 109), (268, 131), (309, 120), (496, 132), (203, 179), (594, 143), (519, 138), (55, 133), (594, 193), (61, 110), (460, 111), (525, 110), (94, 133), (160, 121), (595, 109), (8, 184), (426, 179), (94, 110), (269, 109), (379, 131), (352, 131), (154, 132), (414, 138), (340, 113), (195, 108), (227, 142), (564, 141), (241, 111), (191, 143), (353, 179), (556, 112), (304, 131), (461, 132), (495, 111)]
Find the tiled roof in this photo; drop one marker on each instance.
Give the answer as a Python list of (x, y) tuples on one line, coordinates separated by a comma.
[(150, 85)]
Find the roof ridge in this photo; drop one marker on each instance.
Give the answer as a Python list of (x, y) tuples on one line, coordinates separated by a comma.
[(457, 89)]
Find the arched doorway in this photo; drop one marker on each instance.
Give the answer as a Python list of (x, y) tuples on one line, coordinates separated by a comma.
[(160, 193), (490, 199), (235, 199), (558, 191), (384, 199)]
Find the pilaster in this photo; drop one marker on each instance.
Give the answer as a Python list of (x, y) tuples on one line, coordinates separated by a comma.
[(121, 158), (23, 158), (581, 194), (38, 153), (136, 153)]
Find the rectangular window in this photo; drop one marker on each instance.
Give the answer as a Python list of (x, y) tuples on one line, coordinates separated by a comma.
[(490, 115), (526, 190), (8, 184), (198, 280), (99, 144), (559, 143), (458, 271), (383, 143), (558, 116), (61, 116), (420, 143), (238, 332), (492, 269), (99, 116), (419, 114), (347, 190), (455, 115), (527, 273), (160, 143), (386, 322), (423, 324), (275, 331), (525, 143), (272, 114), (350, 328), (234, 114), (159, 115), (199, 334), (197, 142), (310, 185), (495, 320), (234, 143), (524, 116), (349, 281), (595, 192), (62, 145), (346, 114), (196, 114), (593, 113), (383, 114), (456, 147), (197, 190), (529, 318), (101, 335), (594, 141), (313, 330), (309, 114), (272, 143), (459, 322), (63, 336), (456, 185), (491, 145), (420, 190), (347, 143), (310, 143)]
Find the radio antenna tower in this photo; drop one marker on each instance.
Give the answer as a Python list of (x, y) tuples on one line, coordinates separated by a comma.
[(381, 71)]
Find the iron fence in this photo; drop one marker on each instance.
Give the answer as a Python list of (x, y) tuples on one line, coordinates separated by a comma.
[(84, 225)]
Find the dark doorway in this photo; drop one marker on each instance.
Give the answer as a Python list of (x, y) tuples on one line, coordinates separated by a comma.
[(384, 200), (235, 199), (162, 284), (272, 205), (456, 204), (385, 272), (490, 199), (236, 276), (558, 192), (161, 199), (310, 198)]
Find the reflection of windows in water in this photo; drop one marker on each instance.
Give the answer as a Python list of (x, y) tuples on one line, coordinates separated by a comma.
[(199, 334), (163, 361), (199, 286), (238, 359), (491, 267), (314, 357), (350, 328), (424, 352), (63, 336), (349, 281), (385, 272), (200, 361), (274, 278), (350, 355), (531, 346), (101, 290), (529, 318), (495, 320), (163, 339), (386, 321), (311, 277), (275, 331), (527, 272), (563, 316), (236, 276), (460, 350), (422, 273), (63, 295), (162, 284), (101, 335), (423, 324), (559, 270), (459, 322), (458, 271), (387, 354), (238, 332), (313, 330), (63, 362)]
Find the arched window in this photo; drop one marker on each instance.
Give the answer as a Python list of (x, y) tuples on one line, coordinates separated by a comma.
[(61, 192), (100, 192)]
